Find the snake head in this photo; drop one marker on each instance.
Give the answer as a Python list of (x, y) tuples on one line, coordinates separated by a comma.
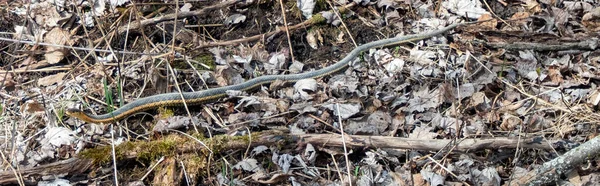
[(79, 114)]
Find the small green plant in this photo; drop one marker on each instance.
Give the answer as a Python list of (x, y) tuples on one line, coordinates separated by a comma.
[(60, 113), (108, 96), (501, 72), (120, 92)]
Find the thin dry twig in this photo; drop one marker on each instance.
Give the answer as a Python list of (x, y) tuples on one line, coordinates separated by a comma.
[(552, 170), (287, 30), (337, 105), (138, 24), (302, 25), (334, 9)]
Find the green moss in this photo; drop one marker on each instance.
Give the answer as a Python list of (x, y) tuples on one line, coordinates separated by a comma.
[(318, 18), (206, 59), (193, 155), (165, 113), (98, 155), (149, 151), (144, 151)]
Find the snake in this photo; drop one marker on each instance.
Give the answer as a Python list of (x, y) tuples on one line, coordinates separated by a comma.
[(209, 95)]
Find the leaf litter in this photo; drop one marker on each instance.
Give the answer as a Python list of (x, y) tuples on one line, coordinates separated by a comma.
[(454, 86)]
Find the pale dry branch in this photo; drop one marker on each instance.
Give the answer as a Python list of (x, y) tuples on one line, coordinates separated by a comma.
[(552, 170), (138, 24), (356, 141)]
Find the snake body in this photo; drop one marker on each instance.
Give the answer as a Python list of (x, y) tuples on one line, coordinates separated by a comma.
[(204, 96)]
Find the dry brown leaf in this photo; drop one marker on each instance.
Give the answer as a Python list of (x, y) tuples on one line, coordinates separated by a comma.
[(227, 76), (520, 18), (594, 97), (491, 24), (312, 39), (591, 20), (418, 180), (166, 174), (422, 133), (57, 36), (555, 75), (574, 178), (480, 102), (532, 6), (510, 122), (32, 107), (49, 80), (274, 179), (6, 80)]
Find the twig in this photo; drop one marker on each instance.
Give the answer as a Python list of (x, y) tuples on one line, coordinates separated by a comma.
[(168, 17), (274, 137), (360, 141), (69, 47), (342, 21), (588, 44), (552, 170), (71, 166), (185, 105), (287, 30), (304, 24), (337, 106)]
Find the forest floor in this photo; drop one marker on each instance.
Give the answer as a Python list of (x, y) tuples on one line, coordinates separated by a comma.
[(508, 99)]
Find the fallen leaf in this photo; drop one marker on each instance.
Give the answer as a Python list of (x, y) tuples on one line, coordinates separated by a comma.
[(250, 165), (467, 8), (480, 102), (332, 19), (312, 39), (532, 6), (57, 36), (173, 123), (422, 133), (303, 88), (49, 80), (234, 19), (591, 20), (7, 79), (432, 177), (258, 150), (490, 22), (424, 99), (296, 67), (186, 7), (510, 122), (307, 7), (345, 110)]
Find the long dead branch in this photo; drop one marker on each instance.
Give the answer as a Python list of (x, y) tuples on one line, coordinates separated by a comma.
[(304, 24), (590, 44), (552, 170), (79, 165), (138, 24), (33, 175), (464, 145)]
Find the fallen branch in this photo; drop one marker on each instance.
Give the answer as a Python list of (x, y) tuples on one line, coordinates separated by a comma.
[(175, 145), (31, 176), (356, 141), (590, 44), (317, 18), (552, 170), (138, 24)]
